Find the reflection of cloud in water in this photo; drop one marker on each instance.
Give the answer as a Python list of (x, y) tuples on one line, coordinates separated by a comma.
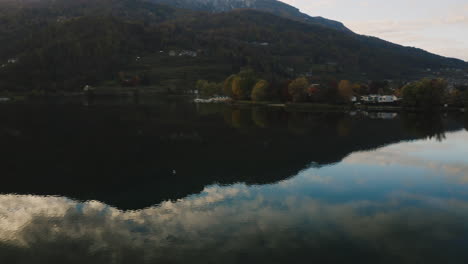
[(297, 220), (229, 224)]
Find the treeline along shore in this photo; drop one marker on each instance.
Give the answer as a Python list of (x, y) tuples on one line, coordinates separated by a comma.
[(306, 92)]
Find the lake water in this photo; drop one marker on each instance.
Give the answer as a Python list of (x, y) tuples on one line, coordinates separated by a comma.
[(168, 181)]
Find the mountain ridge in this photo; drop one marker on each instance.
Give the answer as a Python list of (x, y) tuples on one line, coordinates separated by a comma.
[(272, 6), (66, 44)]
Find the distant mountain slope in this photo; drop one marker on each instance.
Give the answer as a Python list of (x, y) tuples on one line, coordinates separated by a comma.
[(66, 44), (273, 6)]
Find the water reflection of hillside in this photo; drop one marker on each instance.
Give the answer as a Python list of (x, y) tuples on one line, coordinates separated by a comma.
[(133, 156)]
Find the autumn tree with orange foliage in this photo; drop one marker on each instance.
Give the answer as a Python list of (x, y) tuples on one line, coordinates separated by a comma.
[(345, 90)]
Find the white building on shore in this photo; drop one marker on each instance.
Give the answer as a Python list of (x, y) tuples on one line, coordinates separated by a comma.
[(379, 99)]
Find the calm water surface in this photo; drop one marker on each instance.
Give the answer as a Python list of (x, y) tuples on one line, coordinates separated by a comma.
[(167, 181)]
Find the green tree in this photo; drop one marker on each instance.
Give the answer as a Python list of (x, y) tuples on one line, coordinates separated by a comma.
[(298, 89), (455, 98), (260, 91), (227, 85), (243, 84), (237, 91), (425, 93), (208, 88)]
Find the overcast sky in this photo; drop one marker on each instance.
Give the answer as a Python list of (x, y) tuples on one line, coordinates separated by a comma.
[(437, 26)]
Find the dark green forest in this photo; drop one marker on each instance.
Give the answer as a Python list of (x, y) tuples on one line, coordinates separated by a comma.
[(64, 45)]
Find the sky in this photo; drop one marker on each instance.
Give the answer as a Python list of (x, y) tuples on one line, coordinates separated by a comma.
[(439, 27)]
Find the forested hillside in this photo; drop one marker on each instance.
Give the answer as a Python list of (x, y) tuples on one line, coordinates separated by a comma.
[(66, 44)]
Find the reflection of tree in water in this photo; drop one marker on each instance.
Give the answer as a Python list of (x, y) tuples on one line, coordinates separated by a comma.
[(227, 115), (344, 127), (298, 124), (426, 125), (260, 117), (210, 109), (236, 118)]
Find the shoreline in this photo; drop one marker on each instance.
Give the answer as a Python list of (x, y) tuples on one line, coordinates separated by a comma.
[(334, 107), (288, 106)]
